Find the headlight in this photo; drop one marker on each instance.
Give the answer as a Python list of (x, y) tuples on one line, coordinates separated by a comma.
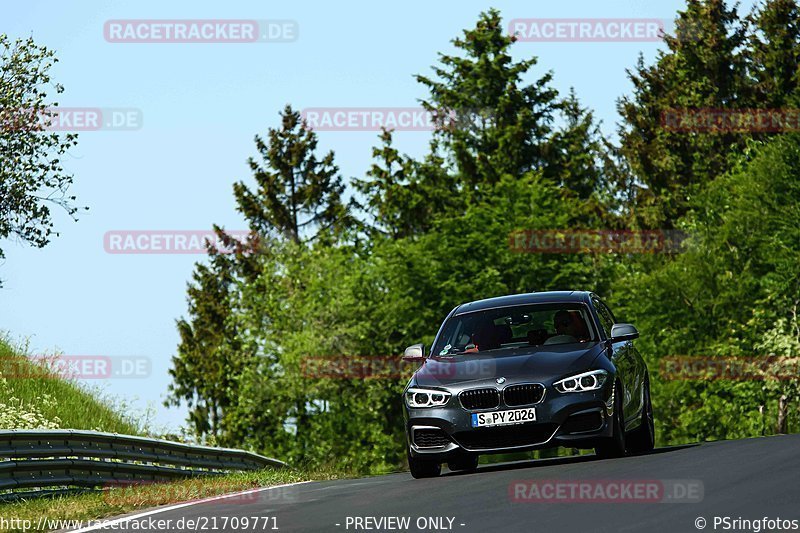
[(426, 398), (582, 382)]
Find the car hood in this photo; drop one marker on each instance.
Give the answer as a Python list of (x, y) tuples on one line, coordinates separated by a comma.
[(538, 363)]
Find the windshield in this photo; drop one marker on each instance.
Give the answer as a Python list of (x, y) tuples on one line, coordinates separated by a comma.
[(515, 327)]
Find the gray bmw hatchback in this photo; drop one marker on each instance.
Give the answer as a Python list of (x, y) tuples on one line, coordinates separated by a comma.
[(524, 372)]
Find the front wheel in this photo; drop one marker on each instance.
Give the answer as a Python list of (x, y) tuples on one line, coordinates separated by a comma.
[(421, 468), (614, 446)]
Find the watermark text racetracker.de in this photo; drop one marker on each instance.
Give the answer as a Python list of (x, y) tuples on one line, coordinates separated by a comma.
[(72, 119), (393, 367), (606, 491), (154, 493), (596, 241), (722, 121), (177, 241), (732, 368), (587, 29), (200, 31), (392, 118), (63, 366), (146, 523)]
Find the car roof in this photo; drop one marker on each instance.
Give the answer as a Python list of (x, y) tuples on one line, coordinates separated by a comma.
[(526, 298)]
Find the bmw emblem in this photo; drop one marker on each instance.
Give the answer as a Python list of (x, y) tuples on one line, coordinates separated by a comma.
[(500, 381)]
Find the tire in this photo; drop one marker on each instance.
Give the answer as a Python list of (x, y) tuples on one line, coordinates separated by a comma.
[(421, 468), (614, 446), (643, 438), (467, 462)]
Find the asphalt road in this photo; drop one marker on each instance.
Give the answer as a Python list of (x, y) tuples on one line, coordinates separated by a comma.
[(667, 490)]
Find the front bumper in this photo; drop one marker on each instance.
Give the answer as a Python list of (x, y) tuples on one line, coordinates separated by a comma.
[(576, 420)]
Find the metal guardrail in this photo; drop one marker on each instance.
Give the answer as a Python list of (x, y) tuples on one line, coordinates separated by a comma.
[(67, 457)]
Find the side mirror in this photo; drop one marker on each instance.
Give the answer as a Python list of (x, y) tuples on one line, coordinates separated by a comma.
[(623, 332), (414, 353)]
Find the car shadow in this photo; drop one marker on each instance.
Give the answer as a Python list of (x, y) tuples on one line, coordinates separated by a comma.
[(555, 461)]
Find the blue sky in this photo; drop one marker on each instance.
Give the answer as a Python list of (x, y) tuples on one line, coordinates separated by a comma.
[(201, 105)]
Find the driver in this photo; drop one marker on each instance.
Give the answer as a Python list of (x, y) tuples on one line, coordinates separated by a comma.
[(566, 330), (564, 324)]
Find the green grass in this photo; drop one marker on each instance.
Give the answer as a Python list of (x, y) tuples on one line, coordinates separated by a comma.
[(31, 397), (117, 501)]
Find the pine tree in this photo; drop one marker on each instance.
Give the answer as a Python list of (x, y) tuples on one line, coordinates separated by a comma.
[(490, 122), (207, 360), (400, 200), (297, 195), (703, 68), (774, 53), (580, 162)]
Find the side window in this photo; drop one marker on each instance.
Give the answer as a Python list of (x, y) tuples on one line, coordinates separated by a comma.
[(606, 318), (608, 310)]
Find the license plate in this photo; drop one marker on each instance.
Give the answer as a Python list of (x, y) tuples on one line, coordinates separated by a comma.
[(503, 418)]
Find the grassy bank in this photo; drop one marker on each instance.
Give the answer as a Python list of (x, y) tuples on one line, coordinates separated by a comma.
[(32, 396)]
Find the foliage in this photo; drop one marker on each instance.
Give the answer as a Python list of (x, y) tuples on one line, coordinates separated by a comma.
[(203, 370), (33, 397), (295, 342), (774, 54), (733, 293), (32, 178), (703, 68), (297, 200)]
